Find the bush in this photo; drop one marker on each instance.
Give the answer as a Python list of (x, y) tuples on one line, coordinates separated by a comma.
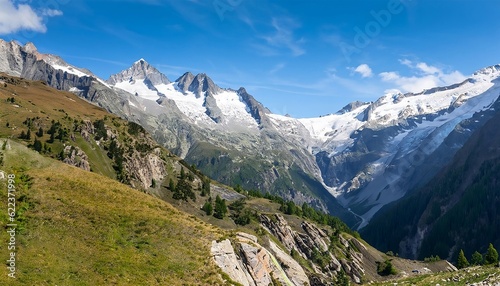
[(385, 268), (134, 128)]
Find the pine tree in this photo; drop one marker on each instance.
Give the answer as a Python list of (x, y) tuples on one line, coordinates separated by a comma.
[(220, 208), (28, 135), (52, 137), (208, 208), (22, 135), (171, 185), (491, 256), (477, 258), (183, 174), (40, 132), (205, 188), (37, 145), (462, 260)]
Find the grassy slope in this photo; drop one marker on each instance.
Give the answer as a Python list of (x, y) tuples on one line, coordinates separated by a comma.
[(81, 228)]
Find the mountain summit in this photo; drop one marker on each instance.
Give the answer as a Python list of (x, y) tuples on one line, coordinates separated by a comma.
[(197, 84), (140, 70)]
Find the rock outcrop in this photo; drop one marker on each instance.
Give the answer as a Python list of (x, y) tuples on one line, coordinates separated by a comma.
[(247, 262), (76, 157), (316, 245)]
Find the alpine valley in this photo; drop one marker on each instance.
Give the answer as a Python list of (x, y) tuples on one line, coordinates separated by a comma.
[(351, 163)]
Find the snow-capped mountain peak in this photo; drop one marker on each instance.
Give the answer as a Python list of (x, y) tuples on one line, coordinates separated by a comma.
[(487, 73), (198, 84), (140, 70)]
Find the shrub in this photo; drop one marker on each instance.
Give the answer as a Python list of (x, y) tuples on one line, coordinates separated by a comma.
[(385, 268)]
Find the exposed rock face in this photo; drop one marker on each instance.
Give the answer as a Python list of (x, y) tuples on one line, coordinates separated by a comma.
[(76, 157), (225, 257), (212, 109), (198, 84), (312, 242), (87, 130), (258, 262), (252, 264), (146, 167), (291, 267)]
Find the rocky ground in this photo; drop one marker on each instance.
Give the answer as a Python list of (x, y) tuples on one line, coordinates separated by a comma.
[(472, 276)]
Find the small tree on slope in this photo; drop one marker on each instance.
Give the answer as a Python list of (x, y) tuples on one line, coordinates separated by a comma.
[(491, 256), (462, 260)]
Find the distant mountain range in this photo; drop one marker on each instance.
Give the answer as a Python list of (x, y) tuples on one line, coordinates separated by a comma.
[(351, 163)]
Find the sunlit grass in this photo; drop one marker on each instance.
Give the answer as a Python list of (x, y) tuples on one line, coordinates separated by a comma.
[(85, 229)]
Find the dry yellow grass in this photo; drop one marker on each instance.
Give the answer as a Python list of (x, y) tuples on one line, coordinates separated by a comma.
[(81, 228)]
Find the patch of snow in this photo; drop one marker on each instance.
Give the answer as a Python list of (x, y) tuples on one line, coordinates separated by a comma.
[(234, 110), (138, 88), (187, 103), (70, 70)]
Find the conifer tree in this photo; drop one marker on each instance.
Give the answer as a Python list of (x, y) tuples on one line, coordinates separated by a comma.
[(40, 132), (462, 260), (491, 256), (37, 145), (171, 185), (477, 258), (220, 208), (208, 208)]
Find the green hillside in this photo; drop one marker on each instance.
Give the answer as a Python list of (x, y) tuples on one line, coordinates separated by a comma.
[(81, 228)]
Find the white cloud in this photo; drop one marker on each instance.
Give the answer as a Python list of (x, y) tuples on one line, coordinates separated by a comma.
[(428, 69), (425, 76), (389, 76), (364, 70), (14, 18)]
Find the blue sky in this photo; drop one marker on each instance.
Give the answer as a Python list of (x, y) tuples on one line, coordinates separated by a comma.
[(297, 57)]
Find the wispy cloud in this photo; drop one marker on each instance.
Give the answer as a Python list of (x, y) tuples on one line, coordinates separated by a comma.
[(277, 68), (425, 76), (106, 61), (283, 38), (15, 18)]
